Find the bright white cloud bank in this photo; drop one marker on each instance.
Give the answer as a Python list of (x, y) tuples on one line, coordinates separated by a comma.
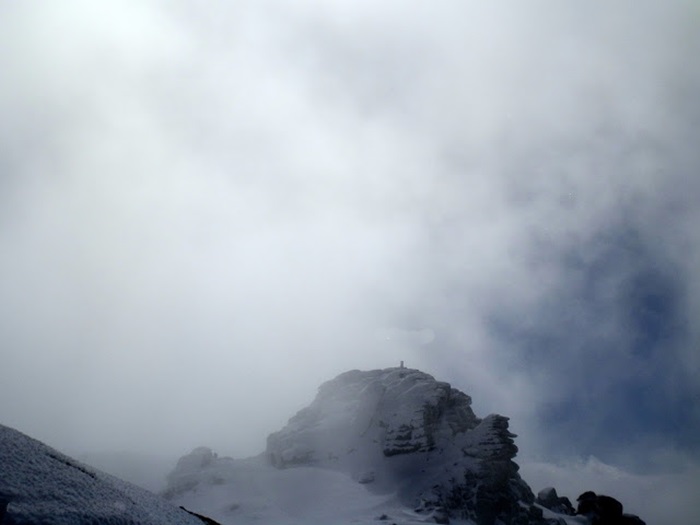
[(206, 212)]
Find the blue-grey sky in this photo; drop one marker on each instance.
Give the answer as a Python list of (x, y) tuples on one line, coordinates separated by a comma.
[(206, 211)]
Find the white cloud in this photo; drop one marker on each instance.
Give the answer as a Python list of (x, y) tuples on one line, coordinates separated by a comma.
[(207, 213)]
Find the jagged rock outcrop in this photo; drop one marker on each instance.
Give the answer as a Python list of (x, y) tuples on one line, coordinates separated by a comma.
[(549, 499), (604, 510), (390, 445), (382, 412), (400, 429)]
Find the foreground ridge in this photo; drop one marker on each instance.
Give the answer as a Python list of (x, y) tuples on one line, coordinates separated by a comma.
[(39, 485)]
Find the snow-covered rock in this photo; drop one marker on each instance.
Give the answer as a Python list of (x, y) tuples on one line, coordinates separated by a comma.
[(391, 445), (363, 414), (39, 485), (416, 436)]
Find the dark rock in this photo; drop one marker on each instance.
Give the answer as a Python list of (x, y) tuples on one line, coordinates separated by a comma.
[(549, 499), (204, 519), (587, 503), (3, 508), (609, 508), (604, 510)]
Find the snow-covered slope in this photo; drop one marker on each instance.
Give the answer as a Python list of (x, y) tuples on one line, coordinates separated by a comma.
[(251, 491), (39, 485), (394, 442), (390, 445)]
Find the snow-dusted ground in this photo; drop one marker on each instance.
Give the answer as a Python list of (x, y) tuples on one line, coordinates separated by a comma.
[(252, 492), (44, 486), (374, 444), (249, 491)]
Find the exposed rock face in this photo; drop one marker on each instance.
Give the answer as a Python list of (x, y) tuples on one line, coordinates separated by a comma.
[(400, 429), (549, 499), (389, 445), (604, 510), (387, 412)]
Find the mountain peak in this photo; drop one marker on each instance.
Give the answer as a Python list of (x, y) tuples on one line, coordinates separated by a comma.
[(391, 411), (391, 444), (399, 429)]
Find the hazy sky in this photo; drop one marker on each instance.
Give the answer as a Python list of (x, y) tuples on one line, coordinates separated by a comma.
[(208, 210)]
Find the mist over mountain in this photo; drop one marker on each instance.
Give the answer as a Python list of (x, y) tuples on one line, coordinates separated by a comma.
[(144, 470), (411, 444), (390, 445), (206, 211)]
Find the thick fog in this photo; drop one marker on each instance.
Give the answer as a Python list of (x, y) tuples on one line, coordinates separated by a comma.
[(208, 210)]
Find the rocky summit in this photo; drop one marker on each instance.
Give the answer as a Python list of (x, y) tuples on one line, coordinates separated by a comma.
[(400, 430), (391, 445)]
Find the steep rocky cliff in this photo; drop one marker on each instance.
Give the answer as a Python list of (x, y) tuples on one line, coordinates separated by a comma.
[(400, 429)]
